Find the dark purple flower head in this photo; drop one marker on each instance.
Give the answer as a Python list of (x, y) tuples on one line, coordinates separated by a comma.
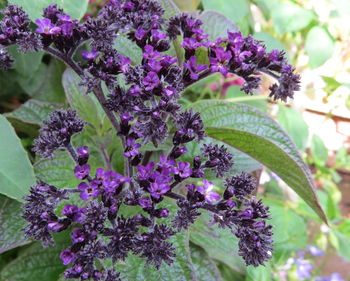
[(6, 59), (219, 159), (57, 132), (39, 209), (190, 127), (240, 186)]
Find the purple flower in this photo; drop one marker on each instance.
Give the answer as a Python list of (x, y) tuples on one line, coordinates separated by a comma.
[(67, 29), (157, 189), (206, 190), (67, 256), (112, 181), (89, 56), (164, 163), (145, 202), (64, 18), (45, 26), (149, 53), (124, 63), (191, 44), (168, 60), (156, 35), (131, 148), (73, 212), (219, 63), (315, 251), (140, 33), (78, 236), (304, 269), (144, 172), (183, 170), (151, 81), (88, 190), (154, 65), (194, 68), (82, 171)]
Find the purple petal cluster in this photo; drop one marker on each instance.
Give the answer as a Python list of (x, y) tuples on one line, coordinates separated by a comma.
[(143, 106)]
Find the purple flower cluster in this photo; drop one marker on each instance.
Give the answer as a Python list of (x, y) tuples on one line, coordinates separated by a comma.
[(142, 109)]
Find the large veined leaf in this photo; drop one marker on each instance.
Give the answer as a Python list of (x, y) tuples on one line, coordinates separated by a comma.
[(16, 171), (11, 235), (217, 25), (85, 105), (235, 11), (169, 7), (37, 263), (257, 135), (205, 267), (75, 8)]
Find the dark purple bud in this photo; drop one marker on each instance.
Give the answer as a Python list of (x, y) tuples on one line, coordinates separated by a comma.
[(145, 202), (83, 154), (67, 256), (81, 172), (78, 235)]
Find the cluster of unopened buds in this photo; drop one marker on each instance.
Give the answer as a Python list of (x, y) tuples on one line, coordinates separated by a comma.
[(140, 112)]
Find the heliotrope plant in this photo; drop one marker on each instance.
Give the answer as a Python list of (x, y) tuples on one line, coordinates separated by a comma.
[(142, 109)]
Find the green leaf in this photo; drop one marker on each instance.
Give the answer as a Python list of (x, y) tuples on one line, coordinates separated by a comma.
[(270, 42), (293, 122), (180, 270), (216, 24), (11, 235), (234, 11), (170, 8), (289, 229), (205, 268), (187, 5), (57, 171), (318, 149), (287, 16), (30, 115), (257, 135), (220, 244), (46, 83), (85, 105), (127, 48), (319, 46), (75, 8), (341, 242), (26, 64), (36, 263), (261, 273), (16, 171)]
